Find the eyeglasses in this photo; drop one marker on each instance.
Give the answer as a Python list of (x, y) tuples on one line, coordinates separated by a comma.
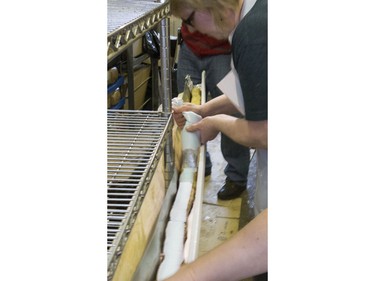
[(189, 20)]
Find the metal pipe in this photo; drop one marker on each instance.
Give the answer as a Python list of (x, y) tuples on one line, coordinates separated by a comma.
[(166, 89), (130, 71), (165, 65)]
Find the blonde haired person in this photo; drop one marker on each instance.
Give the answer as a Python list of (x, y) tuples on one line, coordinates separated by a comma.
[(244, 22), (200, 52)]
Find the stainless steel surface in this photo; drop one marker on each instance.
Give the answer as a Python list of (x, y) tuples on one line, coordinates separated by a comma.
[(135, 141), (128, 20), (165, 64), (166, 87)]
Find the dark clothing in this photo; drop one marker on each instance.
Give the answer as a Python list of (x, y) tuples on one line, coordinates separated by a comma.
[(189, 63), (249, 47)]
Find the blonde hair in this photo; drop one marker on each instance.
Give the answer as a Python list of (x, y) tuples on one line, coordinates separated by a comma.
[(215, 7)]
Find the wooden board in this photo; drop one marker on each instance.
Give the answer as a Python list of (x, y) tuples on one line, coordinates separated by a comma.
[(143, 226)]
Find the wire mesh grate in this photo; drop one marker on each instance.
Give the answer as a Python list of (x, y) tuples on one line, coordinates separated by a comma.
[(134, 146)]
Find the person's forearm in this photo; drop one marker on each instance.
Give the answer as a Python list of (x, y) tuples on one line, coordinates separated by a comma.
[(218, 105), (248, 133), (243, 255)]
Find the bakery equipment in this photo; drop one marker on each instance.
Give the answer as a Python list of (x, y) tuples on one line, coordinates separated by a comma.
[(142, 177), (135, 142)]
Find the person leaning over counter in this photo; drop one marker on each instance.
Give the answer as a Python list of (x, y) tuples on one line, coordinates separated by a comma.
[(244, 22), (200, 52)]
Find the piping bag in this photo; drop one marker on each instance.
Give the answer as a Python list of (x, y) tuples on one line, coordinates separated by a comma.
[(190, 140)]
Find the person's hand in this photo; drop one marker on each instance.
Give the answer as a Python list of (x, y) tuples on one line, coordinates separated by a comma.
[(177, 113), (206, 128)]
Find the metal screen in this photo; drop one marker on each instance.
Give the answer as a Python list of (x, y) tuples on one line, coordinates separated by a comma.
[(134, 145)]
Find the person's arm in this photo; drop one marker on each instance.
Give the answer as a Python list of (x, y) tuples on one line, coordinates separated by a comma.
[(218, 105), (244, 255), (242, 131)]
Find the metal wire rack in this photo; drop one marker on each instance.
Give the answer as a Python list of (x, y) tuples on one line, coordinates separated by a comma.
[(134, 145), (128, 20)]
